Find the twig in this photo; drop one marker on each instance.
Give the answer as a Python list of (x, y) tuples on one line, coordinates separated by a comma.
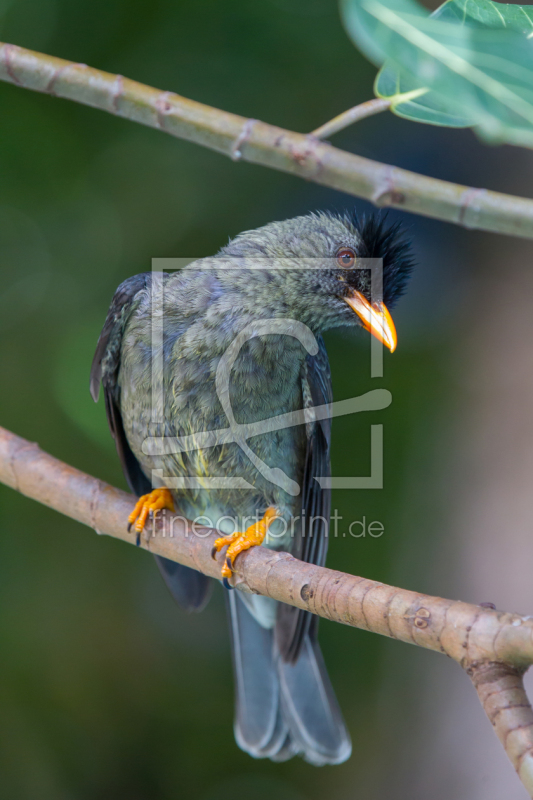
[(260, 143), (494, 647), (348, 118), (500, 689)]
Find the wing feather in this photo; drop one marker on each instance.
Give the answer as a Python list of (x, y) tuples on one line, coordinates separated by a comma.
[(189, 588), (311, 540)]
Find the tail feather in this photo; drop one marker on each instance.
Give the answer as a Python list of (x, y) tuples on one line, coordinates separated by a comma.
[(282, 709), (311, 709), (259, 726), (189, 588)]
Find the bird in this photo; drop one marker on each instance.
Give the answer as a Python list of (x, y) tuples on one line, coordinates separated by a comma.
[(233, 341)]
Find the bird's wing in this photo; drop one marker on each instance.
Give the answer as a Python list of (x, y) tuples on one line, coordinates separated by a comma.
[(311, 541), (105, 369), (190, 588)]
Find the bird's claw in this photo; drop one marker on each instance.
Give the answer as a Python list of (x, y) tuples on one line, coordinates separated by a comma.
[(239, 542), (147, 505)]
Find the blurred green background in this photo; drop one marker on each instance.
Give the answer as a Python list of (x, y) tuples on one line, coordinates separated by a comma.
[(107, 689)]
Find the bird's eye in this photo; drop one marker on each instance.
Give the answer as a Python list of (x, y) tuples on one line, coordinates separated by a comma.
[(346, 257)]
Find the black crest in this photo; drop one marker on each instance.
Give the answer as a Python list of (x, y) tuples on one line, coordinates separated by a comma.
[(390, 244)]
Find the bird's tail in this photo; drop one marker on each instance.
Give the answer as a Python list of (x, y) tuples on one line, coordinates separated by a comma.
[(283, 709)]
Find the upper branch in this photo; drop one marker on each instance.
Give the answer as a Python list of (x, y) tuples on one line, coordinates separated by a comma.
[(260, 143)]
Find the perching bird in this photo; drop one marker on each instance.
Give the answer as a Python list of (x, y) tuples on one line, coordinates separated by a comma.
[(234, 340)]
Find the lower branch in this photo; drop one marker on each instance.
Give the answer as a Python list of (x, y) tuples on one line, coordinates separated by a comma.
[(494, 647)]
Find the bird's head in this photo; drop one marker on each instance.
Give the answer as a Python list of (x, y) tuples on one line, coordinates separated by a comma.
[(328, 270)]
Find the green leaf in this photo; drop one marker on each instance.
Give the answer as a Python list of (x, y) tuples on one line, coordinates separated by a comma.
[(472, 61), (487, 14), (428, 107)]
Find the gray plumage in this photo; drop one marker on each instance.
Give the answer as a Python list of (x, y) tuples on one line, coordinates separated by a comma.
[(284, 701)]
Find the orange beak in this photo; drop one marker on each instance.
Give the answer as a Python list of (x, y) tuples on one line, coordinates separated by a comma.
[(375, 318)]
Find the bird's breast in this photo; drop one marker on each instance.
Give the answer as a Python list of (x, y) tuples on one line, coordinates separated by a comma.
[(226, 456)]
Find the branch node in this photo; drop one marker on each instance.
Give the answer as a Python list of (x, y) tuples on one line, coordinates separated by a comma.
[(467, 203), (9, 50), (116, 93), (244, 135), (163, 107), (14, 456), (49, 88), (12, 461), (306, 592), (386, 193), (93, 507)]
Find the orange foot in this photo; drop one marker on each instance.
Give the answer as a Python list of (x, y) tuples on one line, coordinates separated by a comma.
[(238, 542), (149, 504)]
